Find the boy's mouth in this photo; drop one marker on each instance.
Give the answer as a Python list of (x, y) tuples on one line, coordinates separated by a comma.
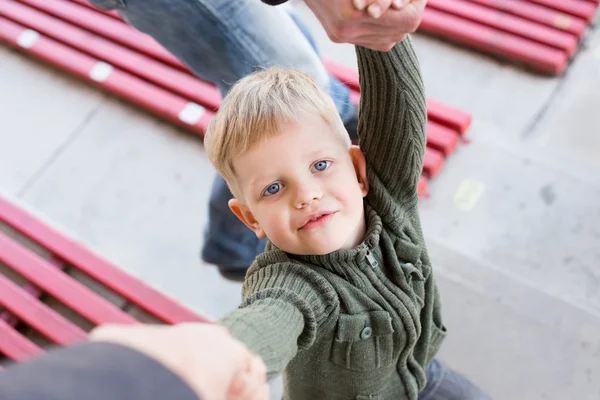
[(316, 220)]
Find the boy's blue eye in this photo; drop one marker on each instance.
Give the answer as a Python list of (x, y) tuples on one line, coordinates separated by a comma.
[(272, 189), (321, 165)]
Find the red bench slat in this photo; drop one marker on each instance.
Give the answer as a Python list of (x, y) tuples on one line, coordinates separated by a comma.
[(441, 138), (33, 291), (449, 116), (37, 315), (107, 27), (347, 75), (15, 346), (159, 101), (59, 285), (508, 23), (145, 297), (433, 162), (422, 187), (437, 111), (163, 75), (537, 13), (577, 8), (515, 48)]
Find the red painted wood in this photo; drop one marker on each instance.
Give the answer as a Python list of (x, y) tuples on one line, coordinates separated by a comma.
[(448, 116), (433, 162), (480, 37), (38, 315), (540, 14), (437, 111), (145, 67), (107, 27), (59, 285), (578, 8), (16, 347), (33, 291), (139, 92), (508, 23), (422, 187), (145, 297), (441, 138)]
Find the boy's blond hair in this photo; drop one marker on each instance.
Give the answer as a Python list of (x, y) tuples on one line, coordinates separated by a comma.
[(255, 109)]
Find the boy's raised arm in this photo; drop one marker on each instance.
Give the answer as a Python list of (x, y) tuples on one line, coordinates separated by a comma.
[(393, 117)]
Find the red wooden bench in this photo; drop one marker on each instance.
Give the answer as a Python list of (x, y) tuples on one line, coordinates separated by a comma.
[(99, 47), (541, 34), (53, 290)]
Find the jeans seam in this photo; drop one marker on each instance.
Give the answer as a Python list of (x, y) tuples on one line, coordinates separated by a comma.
[(231, 31)]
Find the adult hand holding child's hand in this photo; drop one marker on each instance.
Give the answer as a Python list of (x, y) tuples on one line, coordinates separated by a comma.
[(205, 356), (375, 24)]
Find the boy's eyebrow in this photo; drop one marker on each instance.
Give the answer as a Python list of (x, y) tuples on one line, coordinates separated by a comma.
[(256, 181), (320, 150)]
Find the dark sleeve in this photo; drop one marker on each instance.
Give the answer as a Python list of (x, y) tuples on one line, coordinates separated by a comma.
[(274, 2), (92, 371), (393, 117)]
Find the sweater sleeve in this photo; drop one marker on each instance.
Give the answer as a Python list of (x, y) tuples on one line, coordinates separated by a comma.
[(281, 313), (393, 117), (270, 328), (92, 371)]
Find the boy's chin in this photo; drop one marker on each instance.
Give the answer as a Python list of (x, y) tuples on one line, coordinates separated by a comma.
[(330, 247), (317, 250)]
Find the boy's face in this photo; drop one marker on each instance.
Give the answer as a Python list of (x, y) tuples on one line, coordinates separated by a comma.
[(303, 189)]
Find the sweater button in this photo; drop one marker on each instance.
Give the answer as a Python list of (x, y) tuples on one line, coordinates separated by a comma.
[(366, 333)]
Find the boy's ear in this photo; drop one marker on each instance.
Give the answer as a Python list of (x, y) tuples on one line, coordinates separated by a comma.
[(360, 166), (246, 216)]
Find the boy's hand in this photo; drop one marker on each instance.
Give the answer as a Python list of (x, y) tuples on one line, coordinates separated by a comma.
[(344, 22), (205, 356)]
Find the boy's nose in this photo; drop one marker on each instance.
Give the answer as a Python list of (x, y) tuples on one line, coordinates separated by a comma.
[(306, 194)]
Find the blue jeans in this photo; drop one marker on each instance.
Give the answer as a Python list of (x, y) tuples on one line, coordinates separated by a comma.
[(222, 41), (445, 384)]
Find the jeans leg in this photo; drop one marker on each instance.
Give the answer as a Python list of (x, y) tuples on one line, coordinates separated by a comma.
[(339, 92), (445, 384), (222, 41), (228, 242)]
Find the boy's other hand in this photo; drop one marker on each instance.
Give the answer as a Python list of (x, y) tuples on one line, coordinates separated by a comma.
[(353, 21), (205, 356)]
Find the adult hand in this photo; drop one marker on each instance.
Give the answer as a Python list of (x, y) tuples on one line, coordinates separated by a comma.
[(205, 356), (376, 24)]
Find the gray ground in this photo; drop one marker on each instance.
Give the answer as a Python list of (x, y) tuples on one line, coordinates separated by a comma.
[(513, 221)]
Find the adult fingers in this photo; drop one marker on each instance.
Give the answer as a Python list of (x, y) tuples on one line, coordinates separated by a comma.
[(378, 7), (398, 4)]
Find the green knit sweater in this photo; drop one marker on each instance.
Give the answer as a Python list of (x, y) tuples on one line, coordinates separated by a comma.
[(360, 323)]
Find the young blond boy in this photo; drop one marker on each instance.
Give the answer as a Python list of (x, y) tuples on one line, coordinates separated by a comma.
[(343, 301)]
